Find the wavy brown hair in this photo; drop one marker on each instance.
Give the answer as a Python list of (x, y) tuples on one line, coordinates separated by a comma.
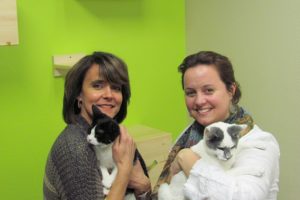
[(112, 68), (220, 62)]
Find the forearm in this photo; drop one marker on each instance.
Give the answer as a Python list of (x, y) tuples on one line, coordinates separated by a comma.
[(143, 188), (186, 160), (119, 186)]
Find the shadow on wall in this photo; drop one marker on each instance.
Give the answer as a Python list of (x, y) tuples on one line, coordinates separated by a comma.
[(114, 8)]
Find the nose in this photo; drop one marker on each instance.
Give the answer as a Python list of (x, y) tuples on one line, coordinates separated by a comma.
[(227, 154), (200, 99), (107, 92)]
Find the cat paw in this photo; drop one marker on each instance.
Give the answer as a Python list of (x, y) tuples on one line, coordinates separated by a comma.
[(106, 185), (105, 191)]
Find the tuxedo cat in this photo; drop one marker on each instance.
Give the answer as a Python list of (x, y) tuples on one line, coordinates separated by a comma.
[(219, 146), (104, 130)]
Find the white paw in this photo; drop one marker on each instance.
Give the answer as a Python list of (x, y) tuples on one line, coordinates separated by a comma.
[(105, 191), (106, 183)]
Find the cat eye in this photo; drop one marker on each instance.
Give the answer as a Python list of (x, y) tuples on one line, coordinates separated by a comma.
[(224, 148), (221, 148)]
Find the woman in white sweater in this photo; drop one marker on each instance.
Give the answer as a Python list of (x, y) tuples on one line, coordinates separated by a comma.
[(212, 94)]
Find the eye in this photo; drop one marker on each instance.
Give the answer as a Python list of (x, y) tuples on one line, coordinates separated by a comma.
[(98, 85), (221, 148), (116, 88), (190, 93), (209, 90)]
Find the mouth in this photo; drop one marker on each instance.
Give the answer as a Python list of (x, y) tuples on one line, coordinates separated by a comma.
[(203, 110), (105, 106)]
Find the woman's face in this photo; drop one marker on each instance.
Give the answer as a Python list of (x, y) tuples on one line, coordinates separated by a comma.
[(206, 96), (96, 90)]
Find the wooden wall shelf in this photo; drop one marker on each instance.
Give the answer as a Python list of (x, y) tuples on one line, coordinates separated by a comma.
[(8, 23), (62, 63)]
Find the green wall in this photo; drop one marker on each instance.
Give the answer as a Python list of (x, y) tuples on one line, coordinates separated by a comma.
[(262, 38), (148, 35)]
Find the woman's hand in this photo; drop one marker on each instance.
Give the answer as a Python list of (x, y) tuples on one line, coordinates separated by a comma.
[(184, 161), (123, 152), (138, 180)]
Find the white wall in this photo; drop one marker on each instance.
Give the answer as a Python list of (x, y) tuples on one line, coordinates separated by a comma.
[(262, 38)]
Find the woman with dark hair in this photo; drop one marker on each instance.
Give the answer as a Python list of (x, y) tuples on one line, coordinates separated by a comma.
[(211, 95), (99, 79)]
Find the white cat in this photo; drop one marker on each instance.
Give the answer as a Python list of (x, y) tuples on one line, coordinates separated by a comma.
[(219, 146)]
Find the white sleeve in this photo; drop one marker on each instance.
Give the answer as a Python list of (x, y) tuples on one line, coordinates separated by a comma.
[(206, 180)]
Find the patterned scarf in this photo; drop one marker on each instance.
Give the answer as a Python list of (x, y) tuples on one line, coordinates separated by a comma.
[(194, 133)]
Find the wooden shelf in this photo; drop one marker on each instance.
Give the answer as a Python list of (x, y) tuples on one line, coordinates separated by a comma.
[(62, 63), (8, 23)]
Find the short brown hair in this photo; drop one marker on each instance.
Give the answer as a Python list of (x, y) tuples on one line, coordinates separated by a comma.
[(222, 64), (112, 68)]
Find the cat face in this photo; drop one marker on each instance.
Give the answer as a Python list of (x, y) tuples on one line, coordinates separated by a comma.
[(222, 139), (104, 129)]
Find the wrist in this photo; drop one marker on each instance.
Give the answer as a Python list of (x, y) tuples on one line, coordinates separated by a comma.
[(125, 170), (143, 187)]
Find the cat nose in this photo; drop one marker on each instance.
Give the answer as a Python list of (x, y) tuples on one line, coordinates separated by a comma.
[(227, 155)]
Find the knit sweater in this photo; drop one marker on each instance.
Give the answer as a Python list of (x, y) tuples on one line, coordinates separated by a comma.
[(206, 180), (71, 170)]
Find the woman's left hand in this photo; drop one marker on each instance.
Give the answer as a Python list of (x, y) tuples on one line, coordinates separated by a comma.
[(138, 180)]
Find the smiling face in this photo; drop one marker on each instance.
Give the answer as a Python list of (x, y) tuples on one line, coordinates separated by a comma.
[(96, 90), (206, 96)]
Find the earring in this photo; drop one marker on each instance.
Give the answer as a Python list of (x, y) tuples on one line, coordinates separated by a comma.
[(232, 108), (79, 103)]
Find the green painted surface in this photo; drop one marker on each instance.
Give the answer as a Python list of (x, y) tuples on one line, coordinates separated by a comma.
[(148, 35)]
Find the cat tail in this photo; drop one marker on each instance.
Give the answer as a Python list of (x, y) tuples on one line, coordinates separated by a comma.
[(138, 156)]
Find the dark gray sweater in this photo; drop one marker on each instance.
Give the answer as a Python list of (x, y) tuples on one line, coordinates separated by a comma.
[(71, 169)]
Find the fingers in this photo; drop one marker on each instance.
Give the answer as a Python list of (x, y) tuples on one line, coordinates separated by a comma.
[(124, 148), (125, 137), (138, 180)]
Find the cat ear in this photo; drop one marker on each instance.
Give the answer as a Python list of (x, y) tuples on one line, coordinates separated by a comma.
[(213, 133), (235, 129), (97, 112)]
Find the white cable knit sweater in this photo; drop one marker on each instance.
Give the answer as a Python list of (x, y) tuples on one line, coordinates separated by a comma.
[(206, 180)]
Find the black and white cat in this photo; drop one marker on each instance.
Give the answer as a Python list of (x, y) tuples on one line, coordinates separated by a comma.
[(104, 131), (219, 146)]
